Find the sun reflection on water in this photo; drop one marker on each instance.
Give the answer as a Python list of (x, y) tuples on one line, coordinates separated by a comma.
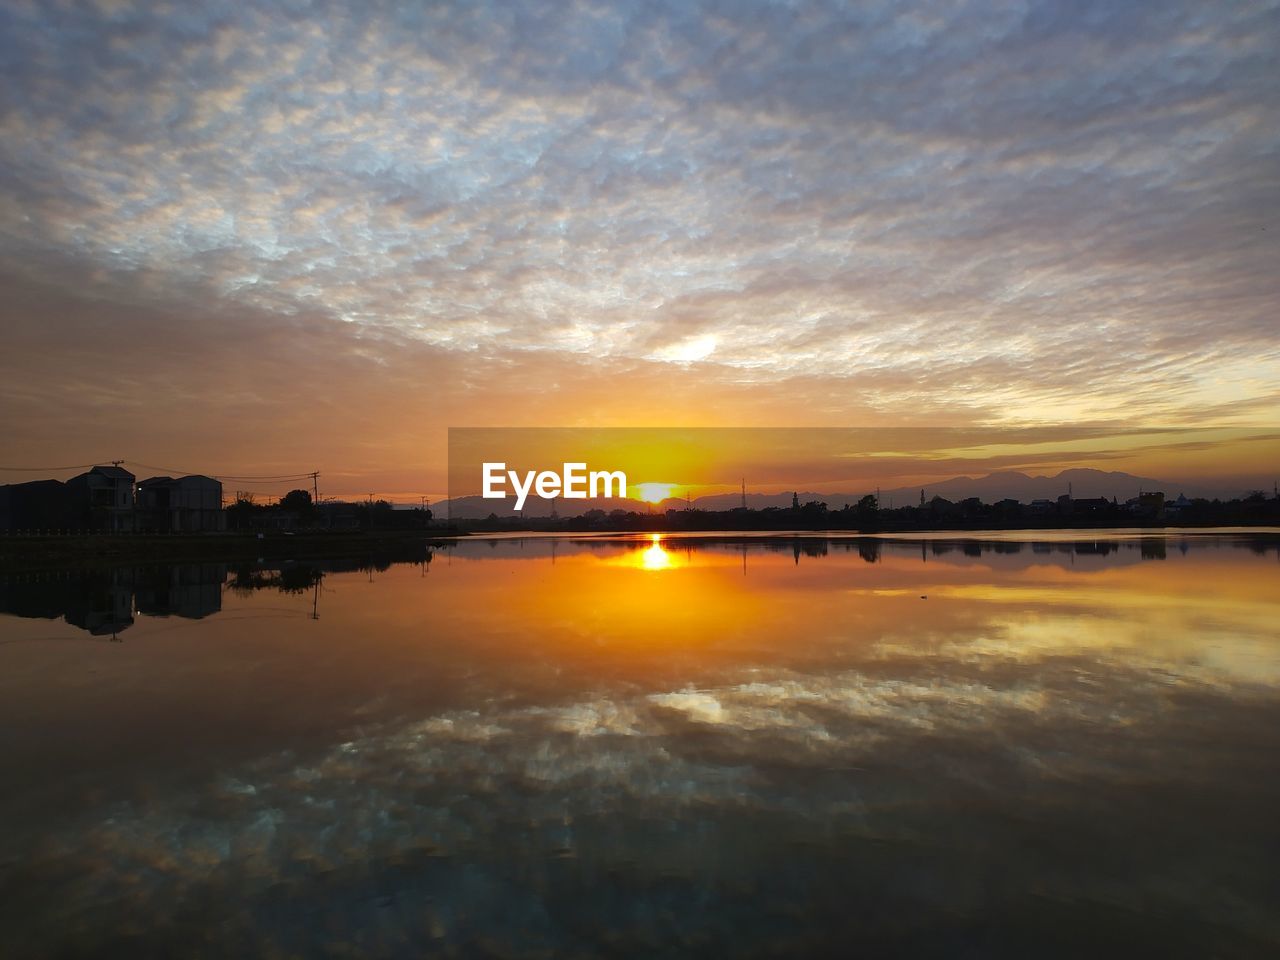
[(655, 557)]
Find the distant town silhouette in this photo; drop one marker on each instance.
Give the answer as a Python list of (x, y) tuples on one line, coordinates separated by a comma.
[(110, 500)]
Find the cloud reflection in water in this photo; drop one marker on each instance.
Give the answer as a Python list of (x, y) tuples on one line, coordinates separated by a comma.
[(998, 774)]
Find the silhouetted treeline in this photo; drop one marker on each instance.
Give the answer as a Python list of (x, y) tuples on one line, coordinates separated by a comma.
[(867, 516), (297, 513)]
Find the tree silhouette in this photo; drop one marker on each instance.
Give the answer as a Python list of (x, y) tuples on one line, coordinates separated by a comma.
[(299, 500)]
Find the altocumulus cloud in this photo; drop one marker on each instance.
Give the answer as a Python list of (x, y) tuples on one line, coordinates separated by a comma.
[(1066, 207)]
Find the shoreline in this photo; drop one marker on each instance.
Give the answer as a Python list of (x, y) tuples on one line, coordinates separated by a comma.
[(24, 553)]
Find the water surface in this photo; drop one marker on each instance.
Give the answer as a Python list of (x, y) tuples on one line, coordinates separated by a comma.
[(1003, 746)]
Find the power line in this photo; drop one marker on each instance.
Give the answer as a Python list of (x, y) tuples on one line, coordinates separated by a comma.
[(74, 466), (265, 478)]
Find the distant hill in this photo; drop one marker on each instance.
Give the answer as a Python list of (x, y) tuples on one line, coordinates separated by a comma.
[(1010, 484)]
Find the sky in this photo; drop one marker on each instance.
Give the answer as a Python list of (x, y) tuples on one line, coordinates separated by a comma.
[(243, 238)]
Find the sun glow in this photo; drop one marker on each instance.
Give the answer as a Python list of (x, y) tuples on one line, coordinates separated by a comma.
[(654, 492)]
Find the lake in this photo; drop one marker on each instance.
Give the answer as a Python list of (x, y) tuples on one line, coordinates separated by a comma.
[(1007, 745)]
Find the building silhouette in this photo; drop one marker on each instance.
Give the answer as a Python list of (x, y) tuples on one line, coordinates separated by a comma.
[(107, 499), (182, 505), (103, 499)]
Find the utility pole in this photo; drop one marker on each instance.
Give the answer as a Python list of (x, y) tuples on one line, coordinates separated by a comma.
[(744, 493)]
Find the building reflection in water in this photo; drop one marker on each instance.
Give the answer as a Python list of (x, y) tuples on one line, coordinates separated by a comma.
[(105, 602)]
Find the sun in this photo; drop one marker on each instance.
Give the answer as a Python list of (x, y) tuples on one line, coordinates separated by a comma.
[(654, 492)]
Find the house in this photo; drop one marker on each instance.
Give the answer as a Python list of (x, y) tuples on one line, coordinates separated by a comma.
[(1147, 504), (37, 505), (183, 505), (102, 499)]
